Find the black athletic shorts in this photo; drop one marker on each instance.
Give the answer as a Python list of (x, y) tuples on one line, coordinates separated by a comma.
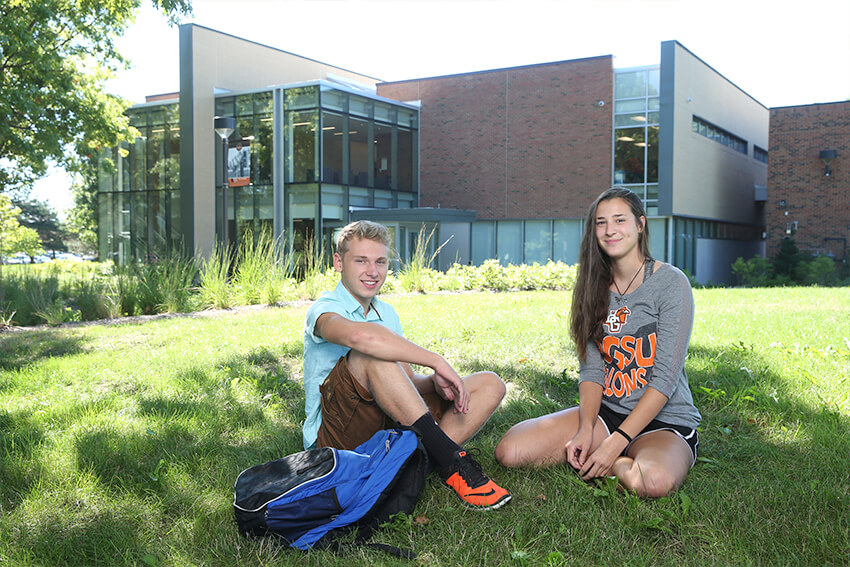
[(612, 421)]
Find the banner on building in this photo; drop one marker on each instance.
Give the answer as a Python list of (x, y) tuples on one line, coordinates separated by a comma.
[(239, 163)]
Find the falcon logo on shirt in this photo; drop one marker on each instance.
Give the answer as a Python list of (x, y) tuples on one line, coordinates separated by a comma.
[(616, 319)]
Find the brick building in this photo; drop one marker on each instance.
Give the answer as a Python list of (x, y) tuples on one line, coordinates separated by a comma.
[(804, 202), (528, 149), (501, 163), (496, 141)]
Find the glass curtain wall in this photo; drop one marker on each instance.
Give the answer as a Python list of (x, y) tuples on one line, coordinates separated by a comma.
[(248, 198), (343, 151), (139, 189), (636, 120), (340, 150)]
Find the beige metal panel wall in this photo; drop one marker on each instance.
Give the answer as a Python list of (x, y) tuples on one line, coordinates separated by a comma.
[(711, 180), (211, 60)]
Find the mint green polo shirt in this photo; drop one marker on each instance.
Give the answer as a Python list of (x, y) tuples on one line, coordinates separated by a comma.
[(320, 356)]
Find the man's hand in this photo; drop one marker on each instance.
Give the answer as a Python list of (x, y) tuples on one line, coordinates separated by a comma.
[(450, 386)]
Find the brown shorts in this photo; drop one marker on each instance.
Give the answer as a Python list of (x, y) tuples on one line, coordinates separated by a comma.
[(350, 415)]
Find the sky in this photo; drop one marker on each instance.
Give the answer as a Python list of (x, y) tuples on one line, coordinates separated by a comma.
[(781, 52)]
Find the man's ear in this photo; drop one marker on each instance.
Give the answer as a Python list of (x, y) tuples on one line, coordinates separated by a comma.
[(338, 262)]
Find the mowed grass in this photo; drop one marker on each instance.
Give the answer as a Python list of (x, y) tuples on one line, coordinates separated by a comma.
[(121, 443)]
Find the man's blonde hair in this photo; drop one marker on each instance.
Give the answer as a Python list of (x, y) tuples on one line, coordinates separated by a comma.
[(365, 230)]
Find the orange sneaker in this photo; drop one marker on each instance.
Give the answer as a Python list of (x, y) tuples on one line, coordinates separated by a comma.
[(472, 486)]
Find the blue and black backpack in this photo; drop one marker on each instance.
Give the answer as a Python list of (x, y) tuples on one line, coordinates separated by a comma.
[(314, 497)]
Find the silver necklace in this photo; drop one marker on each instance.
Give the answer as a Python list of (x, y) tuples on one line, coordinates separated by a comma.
[(620, 295)]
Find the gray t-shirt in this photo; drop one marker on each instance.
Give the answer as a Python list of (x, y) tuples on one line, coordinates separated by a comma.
[(645, 345)]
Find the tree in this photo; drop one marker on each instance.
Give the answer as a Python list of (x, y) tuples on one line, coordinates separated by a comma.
[(787, 259), (41, 217), (55, 57), (14, 237), (82, 218)]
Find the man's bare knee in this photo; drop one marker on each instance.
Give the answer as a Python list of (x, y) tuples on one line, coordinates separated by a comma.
[(489, 384)]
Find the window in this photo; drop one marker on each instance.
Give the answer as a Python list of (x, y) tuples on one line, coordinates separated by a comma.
[(332, 139), (483, 241), (405, 159), (509, 242), (383, 156), (636, 127), (358, 147), (537, 243), (628, 156), (728, 139), (301, 141), (759, 154)]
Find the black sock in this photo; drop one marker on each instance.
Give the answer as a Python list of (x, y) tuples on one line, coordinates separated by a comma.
[(439, 445)]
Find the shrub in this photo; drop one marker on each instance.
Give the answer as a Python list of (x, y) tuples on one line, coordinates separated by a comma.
[(755, 272), (821, 271)]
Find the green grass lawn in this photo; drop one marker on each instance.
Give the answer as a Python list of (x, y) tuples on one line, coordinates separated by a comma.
[(121, 443)]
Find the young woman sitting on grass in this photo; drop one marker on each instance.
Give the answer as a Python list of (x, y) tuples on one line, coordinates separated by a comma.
[(631, 321)]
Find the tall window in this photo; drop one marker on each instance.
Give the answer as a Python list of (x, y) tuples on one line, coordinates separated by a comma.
[(358, 147), (636, 121), (332, 138), (138, 189), (383, 156)]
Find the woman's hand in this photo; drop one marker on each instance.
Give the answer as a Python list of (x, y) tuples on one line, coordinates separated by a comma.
[(578, 448), (599, 463)]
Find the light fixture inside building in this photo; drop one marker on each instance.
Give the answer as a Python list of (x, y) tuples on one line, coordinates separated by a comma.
[(826, 156)]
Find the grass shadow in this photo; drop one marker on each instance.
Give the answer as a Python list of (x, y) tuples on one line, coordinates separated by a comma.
[(20, 439), (103, 537), (25, 348)]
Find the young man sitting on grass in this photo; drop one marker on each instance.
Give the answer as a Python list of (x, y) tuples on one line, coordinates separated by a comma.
[(358, 377)]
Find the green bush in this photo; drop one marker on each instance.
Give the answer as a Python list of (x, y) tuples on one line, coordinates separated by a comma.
[(761, 272), (755, 272), (821, 271)]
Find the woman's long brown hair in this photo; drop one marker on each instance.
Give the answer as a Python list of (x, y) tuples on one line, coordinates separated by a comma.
[(594, 275)]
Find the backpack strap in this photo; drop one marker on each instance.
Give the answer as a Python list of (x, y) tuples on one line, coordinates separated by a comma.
[(343, 548), (392, 550)]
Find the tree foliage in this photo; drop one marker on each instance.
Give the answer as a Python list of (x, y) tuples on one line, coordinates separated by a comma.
[(41, 217), (14, 237), (55, 58), (82, 218), (788, 258)]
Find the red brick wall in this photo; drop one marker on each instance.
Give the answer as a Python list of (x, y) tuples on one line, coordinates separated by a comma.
[(819, 204), (526, 142)]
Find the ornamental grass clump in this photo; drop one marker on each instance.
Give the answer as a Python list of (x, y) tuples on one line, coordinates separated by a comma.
[(214, 290), (418, 274), (258, 260)]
